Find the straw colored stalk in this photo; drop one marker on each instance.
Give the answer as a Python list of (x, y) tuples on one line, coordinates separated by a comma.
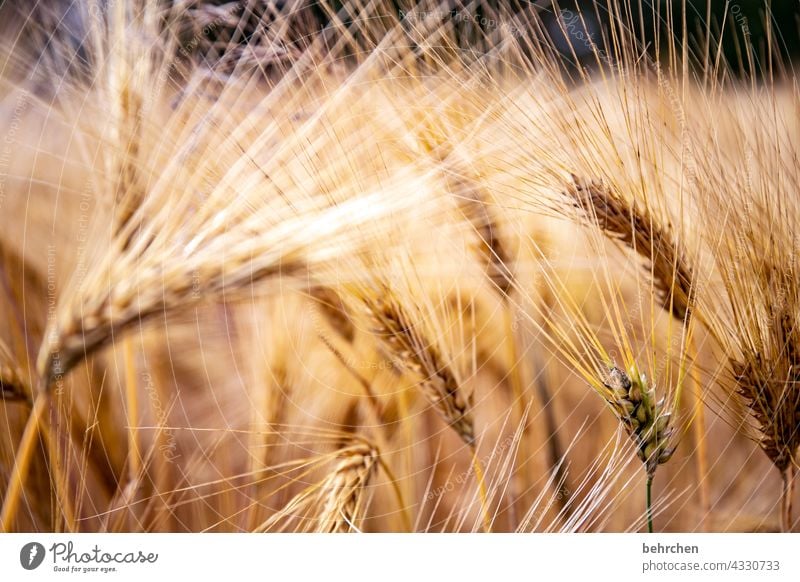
[(758, 322), (493, 255), (774, 401), (333, 309), (490, 249), (627, 391), (769, 387), (412, 351), (159, 271)]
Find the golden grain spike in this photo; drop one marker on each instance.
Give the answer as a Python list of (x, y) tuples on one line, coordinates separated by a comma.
[(344, 489), (639, 230), (412, 351)]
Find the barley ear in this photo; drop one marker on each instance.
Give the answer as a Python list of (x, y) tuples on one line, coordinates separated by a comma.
[(646, 421), (343, 490), (413, 352), (636, 228)]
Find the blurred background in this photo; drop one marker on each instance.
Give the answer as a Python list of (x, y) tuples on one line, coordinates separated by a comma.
[(743, 29)]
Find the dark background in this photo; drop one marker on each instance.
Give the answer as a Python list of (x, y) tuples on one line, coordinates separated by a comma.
[(742, 25)]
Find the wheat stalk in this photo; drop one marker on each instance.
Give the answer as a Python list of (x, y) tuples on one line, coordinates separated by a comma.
[(767, 379), (672, 275), (756, 255), (279, 208), (647, 422), (334, 311), (491, 250), (412, 351), (627, 391), (774, 404), (492, 253)]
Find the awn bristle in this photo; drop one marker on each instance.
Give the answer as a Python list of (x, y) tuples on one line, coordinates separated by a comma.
[(639, 230)]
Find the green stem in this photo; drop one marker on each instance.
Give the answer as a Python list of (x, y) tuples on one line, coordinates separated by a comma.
[(649, 504)]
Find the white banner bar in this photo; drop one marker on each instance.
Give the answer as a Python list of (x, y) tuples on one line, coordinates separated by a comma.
[(407, 558)]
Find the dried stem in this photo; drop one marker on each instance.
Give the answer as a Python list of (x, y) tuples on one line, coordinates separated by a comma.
[(158, 272), (701, 450), (25, 453), (786, 498), (649, 502), (414, 352), (132, 409), (671, 274)]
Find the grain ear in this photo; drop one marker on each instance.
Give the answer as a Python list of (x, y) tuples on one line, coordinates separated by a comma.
[(414, 352), (644, 234)]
